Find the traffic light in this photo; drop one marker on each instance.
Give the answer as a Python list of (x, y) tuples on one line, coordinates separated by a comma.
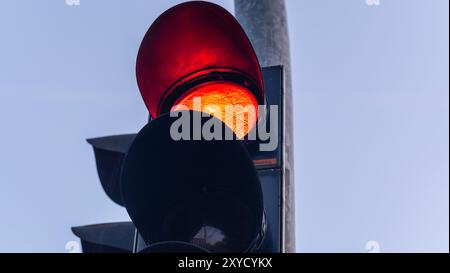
[(269, 166), (198, 49), (116, 237), (190, 193)]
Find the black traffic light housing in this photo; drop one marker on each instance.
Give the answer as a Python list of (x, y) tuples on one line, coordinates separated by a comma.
[(110, 153)]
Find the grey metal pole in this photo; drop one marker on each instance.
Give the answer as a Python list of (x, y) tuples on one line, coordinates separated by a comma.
[(265, 23)]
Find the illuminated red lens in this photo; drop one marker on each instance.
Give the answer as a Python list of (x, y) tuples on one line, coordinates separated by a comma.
[(233, 104)]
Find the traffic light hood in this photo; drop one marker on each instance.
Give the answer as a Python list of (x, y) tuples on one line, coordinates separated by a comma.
[(106, 238), (190, 44), (206, 193), (109, 154)]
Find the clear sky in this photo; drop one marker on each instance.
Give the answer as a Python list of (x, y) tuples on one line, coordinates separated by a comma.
[(371, 97)]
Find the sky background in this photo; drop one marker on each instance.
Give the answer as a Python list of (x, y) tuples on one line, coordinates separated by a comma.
[(371, 105)]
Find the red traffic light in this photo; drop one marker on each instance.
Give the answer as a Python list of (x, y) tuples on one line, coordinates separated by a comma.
[(196, 43)]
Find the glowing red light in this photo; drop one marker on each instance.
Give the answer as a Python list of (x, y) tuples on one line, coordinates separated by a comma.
[(235, 105)]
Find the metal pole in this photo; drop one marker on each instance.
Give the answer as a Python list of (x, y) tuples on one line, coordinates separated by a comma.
[(265, 23)]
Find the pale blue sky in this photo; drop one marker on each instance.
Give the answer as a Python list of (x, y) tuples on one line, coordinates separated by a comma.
[(371, 97)]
